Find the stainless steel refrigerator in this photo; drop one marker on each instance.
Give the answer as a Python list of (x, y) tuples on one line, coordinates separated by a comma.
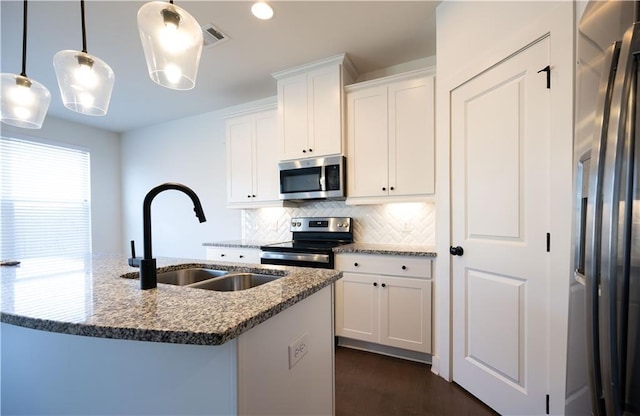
[(604, 326)]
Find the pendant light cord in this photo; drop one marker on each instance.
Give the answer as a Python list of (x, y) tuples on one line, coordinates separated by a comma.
[(84, 28), (24, 40)]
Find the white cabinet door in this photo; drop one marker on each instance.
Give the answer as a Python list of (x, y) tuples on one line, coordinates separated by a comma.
[(266, 156), (293, 116), (324, 87), (367, 161), (239, 159), (310, 113), (411, 137), (359, 307), (374, 306), (252, 160), (405, 313), (390, 140)]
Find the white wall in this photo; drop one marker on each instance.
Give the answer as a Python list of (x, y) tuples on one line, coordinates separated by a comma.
[(190, 151), (104, 147), (472, 36)]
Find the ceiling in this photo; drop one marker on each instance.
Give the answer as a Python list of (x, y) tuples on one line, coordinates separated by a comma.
[(375, 34)]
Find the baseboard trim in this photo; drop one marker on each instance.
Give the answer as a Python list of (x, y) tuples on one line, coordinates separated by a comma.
[(384, 350), (435, 365)]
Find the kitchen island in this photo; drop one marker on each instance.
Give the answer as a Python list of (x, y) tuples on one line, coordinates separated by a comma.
[(80, 337)]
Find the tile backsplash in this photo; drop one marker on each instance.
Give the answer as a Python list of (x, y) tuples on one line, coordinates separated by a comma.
[(399, 223)]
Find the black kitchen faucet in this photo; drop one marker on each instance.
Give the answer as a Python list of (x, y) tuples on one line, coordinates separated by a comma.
[(148, 275)]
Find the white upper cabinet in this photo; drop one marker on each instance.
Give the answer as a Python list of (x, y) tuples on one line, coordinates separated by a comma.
[(390, 140), (252, 160), (310, 108)]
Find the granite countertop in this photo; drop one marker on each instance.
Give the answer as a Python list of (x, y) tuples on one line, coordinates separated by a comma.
[(91, 298), (238, 243), (364, 248), (390, 249)]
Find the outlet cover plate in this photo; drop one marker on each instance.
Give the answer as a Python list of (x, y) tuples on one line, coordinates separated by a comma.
[(298, 349)]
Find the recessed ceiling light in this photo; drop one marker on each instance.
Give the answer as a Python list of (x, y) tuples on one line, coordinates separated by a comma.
[(262, 10)]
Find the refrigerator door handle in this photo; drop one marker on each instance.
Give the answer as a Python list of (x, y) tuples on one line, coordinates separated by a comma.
[(593, 230), (621, 137)]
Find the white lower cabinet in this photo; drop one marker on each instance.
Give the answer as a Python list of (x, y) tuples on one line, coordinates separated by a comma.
[(385, 299), (234, 254)]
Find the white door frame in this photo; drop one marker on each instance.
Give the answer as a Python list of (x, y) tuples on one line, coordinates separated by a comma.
[(561, 164)]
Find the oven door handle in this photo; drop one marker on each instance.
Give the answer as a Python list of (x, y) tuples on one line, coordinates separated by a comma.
[(309, 257)]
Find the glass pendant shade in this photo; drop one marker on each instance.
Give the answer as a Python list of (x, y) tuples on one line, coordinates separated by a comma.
[(85, 82), (172, 43), (24, 101)]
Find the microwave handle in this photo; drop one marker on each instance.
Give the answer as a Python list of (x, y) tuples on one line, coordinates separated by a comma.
[(323, 173)]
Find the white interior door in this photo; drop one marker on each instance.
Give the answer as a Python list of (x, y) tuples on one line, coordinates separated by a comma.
[(500, 216)]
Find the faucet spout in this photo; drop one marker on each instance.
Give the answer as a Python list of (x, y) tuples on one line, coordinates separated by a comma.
[(148, 275)]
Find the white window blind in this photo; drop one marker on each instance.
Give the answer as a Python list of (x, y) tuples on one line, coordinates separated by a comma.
[(45, 201)]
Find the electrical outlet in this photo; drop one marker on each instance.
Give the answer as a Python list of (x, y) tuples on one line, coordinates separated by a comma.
[(275, 225), (406, 226), (298, 349)]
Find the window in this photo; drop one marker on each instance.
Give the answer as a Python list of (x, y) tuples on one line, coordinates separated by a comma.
[(45, 207)]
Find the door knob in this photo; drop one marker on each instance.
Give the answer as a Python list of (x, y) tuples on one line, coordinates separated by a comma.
[(456, 251)]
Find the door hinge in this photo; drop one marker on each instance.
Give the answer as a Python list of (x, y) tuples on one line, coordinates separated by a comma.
[(548, 242), (547, 69), (547, 404)]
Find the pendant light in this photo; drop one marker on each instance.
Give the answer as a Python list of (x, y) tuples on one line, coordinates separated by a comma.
[(172, 43), (24, 101), (85, 81)]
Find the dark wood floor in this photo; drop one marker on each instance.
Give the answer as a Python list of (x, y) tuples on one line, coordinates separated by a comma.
[(372, 384)]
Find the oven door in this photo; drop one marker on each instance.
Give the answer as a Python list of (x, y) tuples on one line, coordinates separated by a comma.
[(299, 259)]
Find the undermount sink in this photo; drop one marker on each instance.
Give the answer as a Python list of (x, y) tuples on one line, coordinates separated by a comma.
[(211, 279), (235, 281), (183, 277)]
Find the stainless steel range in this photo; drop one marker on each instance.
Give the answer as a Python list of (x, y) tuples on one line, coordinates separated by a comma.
[(312, 245)]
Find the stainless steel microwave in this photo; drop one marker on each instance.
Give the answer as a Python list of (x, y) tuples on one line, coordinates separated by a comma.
[(313, 178)]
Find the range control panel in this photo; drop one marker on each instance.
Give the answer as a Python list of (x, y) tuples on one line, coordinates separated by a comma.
[(323, 224)]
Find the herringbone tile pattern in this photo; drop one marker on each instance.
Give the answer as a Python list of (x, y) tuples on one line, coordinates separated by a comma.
[(407, 223)]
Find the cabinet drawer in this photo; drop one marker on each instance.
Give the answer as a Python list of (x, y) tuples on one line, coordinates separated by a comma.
[(401, 266), (234, 254)]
